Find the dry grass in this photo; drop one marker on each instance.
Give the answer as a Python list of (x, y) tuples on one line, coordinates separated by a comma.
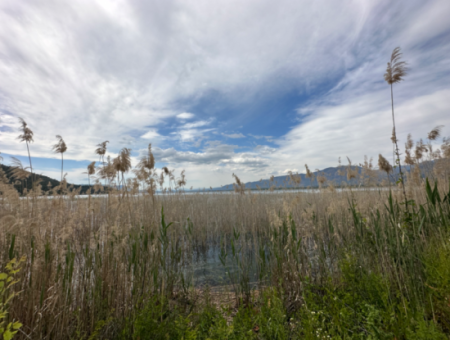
[(89, 260)]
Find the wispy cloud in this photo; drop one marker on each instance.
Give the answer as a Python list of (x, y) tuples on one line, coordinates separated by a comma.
[(173, 73), (268, 138), (185, 115), (151, 134), (234, 135)]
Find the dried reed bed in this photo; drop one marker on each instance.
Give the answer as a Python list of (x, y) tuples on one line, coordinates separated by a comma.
[(96, 261)]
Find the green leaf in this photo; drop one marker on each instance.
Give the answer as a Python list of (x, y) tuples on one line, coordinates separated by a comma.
[(17, 325), (8, 335), (3, 276)]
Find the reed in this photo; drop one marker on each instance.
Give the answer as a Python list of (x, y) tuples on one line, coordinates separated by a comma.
[(94, 266)]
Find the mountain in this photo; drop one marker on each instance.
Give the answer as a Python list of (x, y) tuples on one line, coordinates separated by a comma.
[(335, 175), (46, 182)]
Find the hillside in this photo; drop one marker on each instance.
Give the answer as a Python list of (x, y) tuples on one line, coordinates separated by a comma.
[(335, 175), (46, 182)]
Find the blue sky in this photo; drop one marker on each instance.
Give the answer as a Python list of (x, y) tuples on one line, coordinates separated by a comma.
[(254, 88)]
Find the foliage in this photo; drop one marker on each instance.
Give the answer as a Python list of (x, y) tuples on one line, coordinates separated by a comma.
[(7, 281)]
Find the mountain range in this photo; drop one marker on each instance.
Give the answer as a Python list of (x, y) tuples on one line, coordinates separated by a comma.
[(337, 176)]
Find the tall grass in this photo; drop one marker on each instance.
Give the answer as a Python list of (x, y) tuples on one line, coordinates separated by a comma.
[(349, 262)]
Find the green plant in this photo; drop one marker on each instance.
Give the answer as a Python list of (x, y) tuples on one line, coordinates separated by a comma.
[(7, 281)]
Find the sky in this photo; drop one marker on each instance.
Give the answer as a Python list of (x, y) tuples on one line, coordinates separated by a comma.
[(255, 87)]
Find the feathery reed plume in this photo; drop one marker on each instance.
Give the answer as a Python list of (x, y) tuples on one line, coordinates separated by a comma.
[(239, 186), (394, 137), (352, 172), (432, 136), (435, 133), (408, 147), (166, 170), (19, 173), (91, 168), (340, 167), (147, 161), (295, 178), (90, 172), (101, 151), (395, 71), (27, 137), (420, 149), (409, 142), (60, 147), (309, 174), (321, 179), (384, 165), (368, 174), (182, 181), (107, 172), (161, 180), (145, 168), (122, 163), (446, 147)]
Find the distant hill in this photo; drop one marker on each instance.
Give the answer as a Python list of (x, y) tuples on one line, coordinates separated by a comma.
[(44, 181), (335, 175)]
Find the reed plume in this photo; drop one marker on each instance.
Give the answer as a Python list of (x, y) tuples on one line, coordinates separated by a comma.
[(384, 165), (27, 137), (182, 180), (60, 147), (19, 173), (321, 180), (435, 133), (239, 186), (432, 136), (101, 151), (352, 172), (90, 171), (147, 161), (295, 178), (395, 72), (309, 174), (419, 150), (446, 148), (408, 147), (122, 163)]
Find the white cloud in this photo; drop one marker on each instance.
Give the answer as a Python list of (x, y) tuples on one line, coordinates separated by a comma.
[(185, 115), (95, 70), (197, 124), (361, 126), (267, 138), (234, 135), (151, 134)]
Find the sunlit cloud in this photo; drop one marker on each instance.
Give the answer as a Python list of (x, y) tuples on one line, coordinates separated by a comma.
[(253, 88)]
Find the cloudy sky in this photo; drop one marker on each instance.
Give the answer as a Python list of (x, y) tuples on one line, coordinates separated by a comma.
[(255, 87)]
